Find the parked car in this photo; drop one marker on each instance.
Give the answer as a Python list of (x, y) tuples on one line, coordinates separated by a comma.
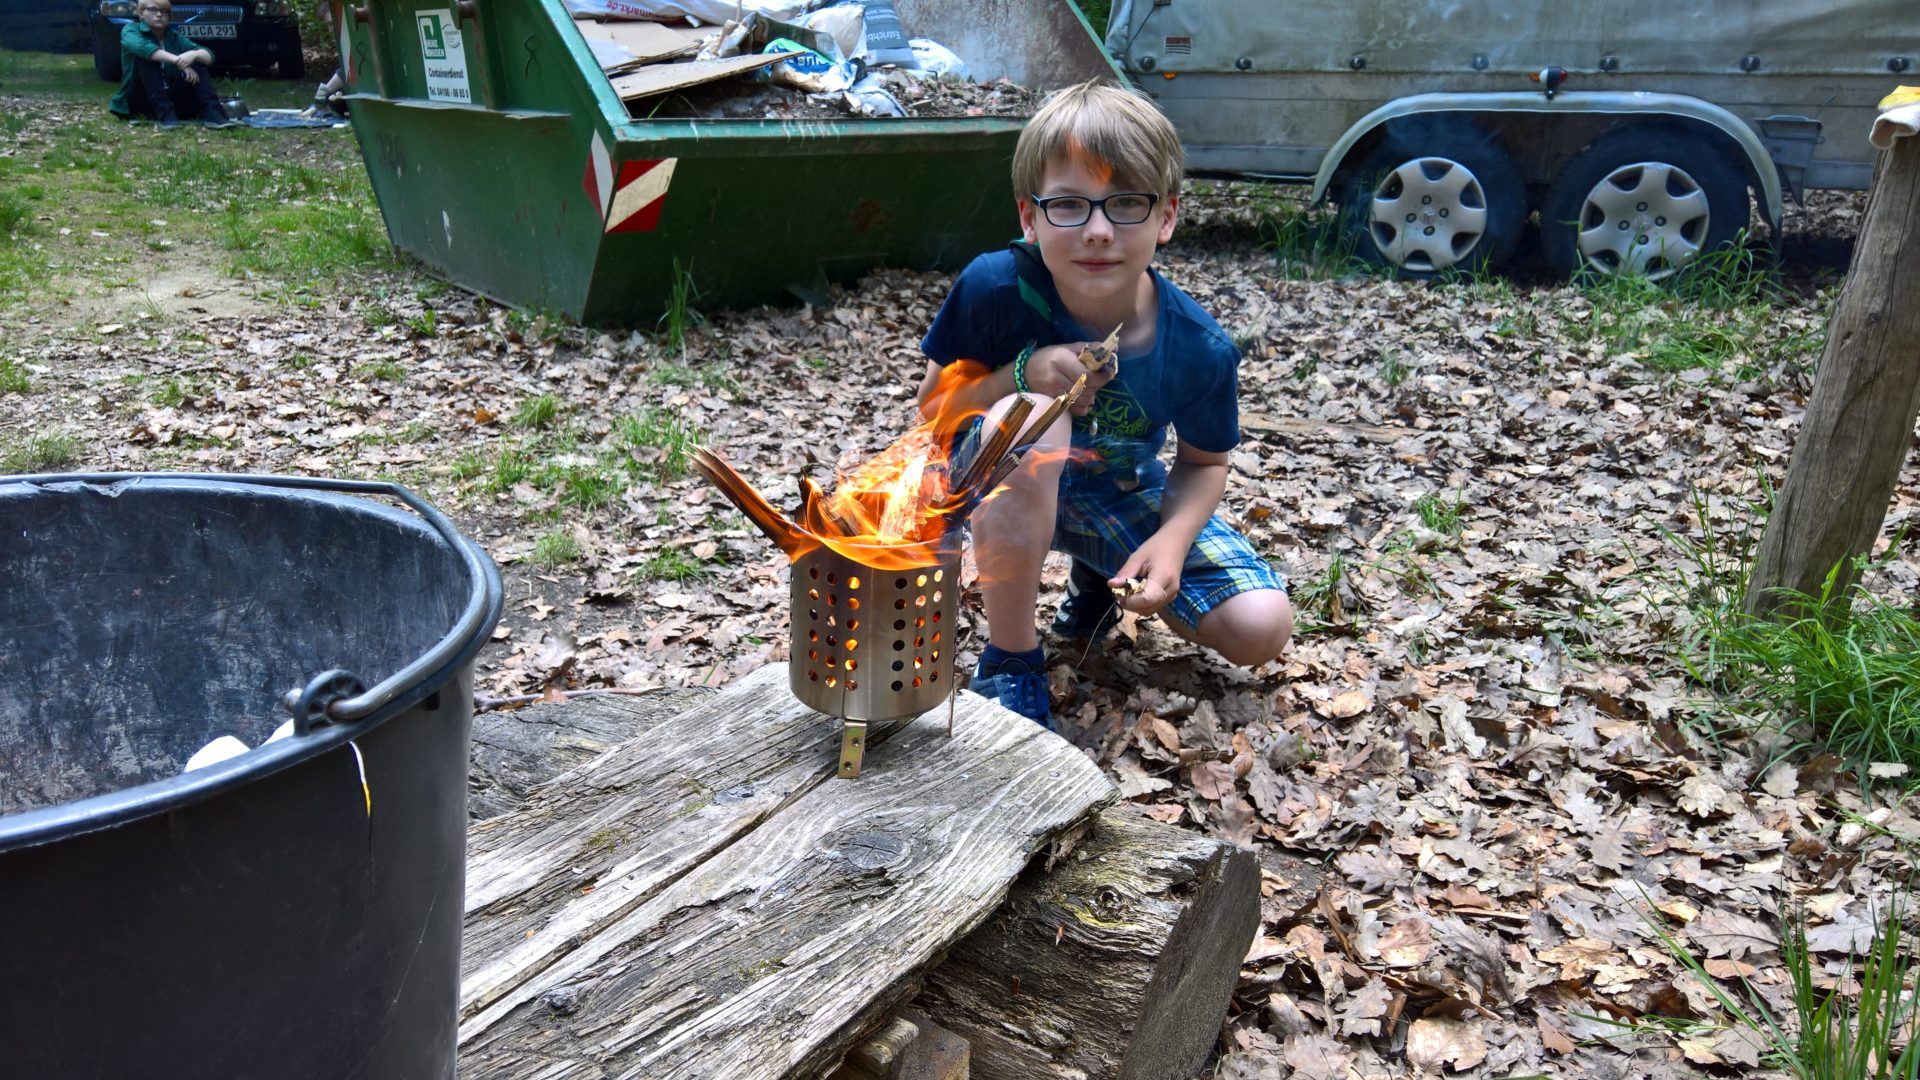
[(44, 25), (1636, 129), (252, 34)]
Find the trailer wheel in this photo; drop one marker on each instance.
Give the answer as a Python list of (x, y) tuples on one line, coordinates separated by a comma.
[(1643, 200), (1435, 198), (106, 58)]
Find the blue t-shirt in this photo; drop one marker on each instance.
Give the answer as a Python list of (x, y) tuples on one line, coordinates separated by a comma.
[(1005, 300)]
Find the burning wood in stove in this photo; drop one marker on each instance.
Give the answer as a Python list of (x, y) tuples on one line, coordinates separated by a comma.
[(905, 496)]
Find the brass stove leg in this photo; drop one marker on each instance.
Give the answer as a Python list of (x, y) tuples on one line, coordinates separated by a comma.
[(853, 747)]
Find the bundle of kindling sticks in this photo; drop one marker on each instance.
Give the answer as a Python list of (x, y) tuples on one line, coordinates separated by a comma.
[(906, 494)]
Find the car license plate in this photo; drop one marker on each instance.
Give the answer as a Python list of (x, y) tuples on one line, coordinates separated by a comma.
[(209, 31)]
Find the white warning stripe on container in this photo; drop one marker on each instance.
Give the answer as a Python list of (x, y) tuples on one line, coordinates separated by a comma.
[(598, 181), (640, 195)]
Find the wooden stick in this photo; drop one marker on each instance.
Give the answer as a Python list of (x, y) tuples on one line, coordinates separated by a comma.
[(1095, 357), (750, 502), (1050, 414), (1001, 441)]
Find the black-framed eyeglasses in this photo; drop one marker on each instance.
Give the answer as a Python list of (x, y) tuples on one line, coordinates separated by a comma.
[(1070, 211)]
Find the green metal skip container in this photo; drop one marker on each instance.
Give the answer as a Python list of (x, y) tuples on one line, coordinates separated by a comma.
[(503, 159)]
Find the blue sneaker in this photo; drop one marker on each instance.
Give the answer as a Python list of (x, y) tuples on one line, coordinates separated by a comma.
[(1018, 687), (1089, 611)]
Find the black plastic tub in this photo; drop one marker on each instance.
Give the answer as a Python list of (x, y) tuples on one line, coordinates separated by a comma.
[(293, 911)]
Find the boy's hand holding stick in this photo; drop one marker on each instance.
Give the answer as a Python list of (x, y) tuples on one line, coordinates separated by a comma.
[(1105, 356), (1056, 368)]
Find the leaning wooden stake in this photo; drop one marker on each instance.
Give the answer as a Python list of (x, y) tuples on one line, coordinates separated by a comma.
[(1859, 422)]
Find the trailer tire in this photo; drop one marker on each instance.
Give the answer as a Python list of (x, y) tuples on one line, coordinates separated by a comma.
[(1643, 199), (106, 59), (1432, 198)]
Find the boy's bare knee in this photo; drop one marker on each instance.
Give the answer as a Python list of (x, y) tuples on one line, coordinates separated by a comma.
[(1249, 629)]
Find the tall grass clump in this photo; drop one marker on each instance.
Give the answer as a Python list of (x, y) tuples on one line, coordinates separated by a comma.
[(1834, 1034), (1840, 669)]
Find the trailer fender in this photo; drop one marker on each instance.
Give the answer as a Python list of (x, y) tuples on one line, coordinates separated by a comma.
[(1619, 103)]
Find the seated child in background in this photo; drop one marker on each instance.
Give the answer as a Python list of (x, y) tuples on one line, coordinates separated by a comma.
[(1097, 174), (163, 74)]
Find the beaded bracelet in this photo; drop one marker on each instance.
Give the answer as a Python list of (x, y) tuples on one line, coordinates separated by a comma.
[(1020, 369)]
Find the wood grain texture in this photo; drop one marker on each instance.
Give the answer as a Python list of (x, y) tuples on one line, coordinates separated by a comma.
[(1124, 958), (1858, 429), (514, 750), (749, 915)]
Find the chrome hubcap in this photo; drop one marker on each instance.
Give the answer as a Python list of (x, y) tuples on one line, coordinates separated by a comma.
[(1428, 214), (1647, 218)]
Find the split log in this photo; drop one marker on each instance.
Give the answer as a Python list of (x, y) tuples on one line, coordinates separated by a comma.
[(1866, 394), (708, 901), (1117, 963)]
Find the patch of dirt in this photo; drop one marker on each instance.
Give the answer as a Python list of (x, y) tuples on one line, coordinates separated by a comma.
[(191, 290)]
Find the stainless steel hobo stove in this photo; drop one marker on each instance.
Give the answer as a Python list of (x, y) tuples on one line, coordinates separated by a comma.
[(871, 645)]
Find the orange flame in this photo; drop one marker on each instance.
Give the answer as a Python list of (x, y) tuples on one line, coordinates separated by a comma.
[(895, 511)]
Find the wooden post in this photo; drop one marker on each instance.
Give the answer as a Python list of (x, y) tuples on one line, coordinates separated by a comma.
[(1866, 394)]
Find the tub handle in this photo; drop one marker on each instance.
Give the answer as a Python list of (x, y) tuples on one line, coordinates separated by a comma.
[(309, 706)]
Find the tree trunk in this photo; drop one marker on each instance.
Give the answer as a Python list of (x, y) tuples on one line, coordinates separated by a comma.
[(1859, 422), (1117, 963)]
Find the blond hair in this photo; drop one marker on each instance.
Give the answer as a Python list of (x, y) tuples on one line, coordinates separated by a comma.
[(156, 5), (1114, 131)]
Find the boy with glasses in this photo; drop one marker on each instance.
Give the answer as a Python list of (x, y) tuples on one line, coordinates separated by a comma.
[(1097, 174), (163, 73)]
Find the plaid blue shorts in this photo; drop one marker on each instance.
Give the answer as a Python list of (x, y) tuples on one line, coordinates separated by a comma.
[(1101, 525)]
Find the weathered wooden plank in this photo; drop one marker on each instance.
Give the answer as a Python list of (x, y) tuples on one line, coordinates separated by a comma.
[(514, 750), (766, 953), (628, 823), (1119, 963)]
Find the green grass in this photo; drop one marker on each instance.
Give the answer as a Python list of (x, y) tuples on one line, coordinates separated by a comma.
[(671, 564), (556, 549), (1690, 346), (1845, 665), (1856, 1028), (40, 453), (659, 441), (1839, 670), (13, 378), (680, 315), (513, 466), (1308, 243), (384, 371), (1096, 12), (172, 393), (712, 377), (1439, 514), (589, 487), (16, 216), (1393, 370), (235, 200), (1318, 600), (537, 413)]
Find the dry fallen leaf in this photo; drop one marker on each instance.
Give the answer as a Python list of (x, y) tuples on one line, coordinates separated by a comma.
[(1348, 704), (1407, 943), (1457, 1044), (1721, 933)]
